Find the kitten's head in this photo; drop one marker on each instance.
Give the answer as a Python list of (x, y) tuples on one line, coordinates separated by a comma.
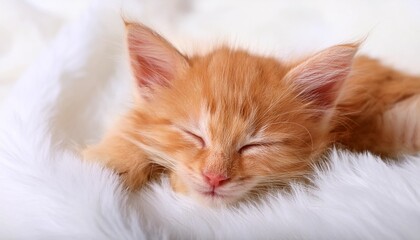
[(230, 123)]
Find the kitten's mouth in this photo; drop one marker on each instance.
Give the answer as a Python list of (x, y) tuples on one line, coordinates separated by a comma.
[(215, 198), (213, 194)]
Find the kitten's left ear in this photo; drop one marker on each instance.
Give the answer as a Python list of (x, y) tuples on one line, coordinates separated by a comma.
[(154, 61), (320, 77)]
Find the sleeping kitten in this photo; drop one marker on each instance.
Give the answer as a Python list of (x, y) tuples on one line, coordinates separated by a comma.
[(228, 124)]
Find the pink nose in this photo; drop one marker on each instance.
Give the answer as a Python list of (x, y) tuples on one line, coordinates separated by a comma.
[(215, 179)]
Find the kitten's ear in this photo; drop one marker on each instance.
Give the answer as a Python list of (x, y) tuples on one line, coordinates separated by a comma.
[(319, 78), (155, 62)]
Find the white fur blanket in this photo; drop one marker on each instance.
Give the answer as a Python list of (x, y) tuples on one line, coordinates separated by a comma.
[(72, 91)]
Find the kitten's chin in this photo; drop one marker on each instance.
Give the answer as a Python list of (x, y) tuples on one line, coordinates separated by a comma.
[(214, 199)]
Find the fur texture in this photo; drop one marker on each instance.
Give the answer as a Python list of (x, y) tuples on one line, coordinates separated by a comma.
[(47, 192), (229, 125)]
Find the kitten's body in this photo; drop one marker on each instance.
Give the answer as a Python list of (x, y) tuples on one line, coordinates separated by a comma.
[(229, 123), (383, 109)]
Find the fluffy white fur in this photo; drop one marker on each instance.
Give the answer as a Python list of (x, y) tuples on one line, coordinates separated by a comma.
[(63, 101)]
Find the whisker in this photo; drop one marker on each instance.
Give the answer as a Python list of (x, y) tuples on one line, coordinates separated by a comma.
[(297, 124), (156, 157)]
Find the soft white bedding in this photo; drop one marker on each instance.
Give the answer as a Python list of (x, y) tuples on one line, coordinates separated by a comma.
[(81, 81)]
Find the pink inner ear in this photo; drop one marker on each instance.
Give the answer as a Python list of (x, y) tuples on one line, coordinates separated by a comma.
[(150, 63), (327, 85), (320, 78), (324, 95), (154, 61), (148, 73)]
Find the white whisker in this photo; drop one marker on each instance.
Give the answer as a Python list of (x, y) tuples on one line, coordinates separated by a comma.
[(156, 156)]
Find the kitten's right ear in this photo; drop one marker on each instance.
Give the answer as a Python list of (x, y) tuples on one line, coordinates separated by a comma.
[(154, 61)]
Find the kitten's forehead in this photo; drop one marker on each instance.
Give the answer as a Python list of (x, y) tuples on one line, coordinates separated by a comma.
[(221, 128), (237, 75), (235, 90), (227, 63), (229, 96)]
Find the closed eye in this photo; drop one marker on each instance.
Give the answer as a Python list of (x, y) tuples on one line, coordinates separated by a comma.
[(194, 138), (253, 146)]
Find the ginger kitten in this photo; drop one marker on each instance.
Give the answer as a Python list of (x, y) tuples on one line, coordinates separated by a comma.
[(228, 124)]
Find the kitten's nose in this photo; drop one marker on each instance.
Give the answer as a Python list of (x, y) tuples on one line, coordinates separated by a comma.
[(215, 179)]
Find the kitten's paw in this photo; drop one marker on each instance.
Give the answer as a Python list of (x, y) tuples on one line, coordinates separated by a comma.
[(129, 163), (93, 154)]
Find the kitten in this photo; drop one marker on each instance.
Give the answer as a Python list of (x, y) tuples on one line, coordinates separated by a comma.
[(229, 124)]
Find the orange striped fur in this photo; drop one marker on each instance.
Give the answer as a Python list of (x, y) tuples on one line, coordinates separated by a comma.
[(254, 120)]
